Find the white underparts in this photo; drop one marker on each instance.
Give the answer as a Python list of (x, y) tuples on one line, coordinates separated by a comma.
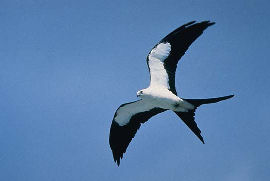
[(163, 98)]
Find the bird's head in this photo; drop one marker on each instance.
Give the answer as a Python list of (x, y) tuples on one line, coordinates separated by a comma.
[(140, 93)]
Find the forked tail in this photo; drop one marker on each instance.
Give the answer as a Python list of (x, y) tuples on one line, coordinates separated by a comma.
[(188, 117)]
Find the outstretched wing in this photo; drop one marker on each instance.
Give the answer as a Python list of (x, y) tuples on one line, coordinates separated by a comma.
[(163, 58), (127, 120)]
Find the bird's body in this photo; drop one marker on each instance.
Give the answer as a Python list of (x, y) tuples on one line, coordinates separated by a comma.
[(161, 94), (165, 99)]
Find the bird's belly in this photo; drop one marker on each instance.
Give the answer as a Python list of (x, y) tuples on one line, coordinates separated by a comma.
[(165, 101)]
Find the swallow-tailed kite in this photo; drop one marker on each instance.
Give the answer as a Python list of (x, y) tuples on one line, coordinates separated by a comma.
[(161, 95)]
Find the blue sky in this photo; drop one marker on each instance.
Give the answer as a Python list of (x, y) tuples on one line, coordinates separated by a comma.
[(65, 67)]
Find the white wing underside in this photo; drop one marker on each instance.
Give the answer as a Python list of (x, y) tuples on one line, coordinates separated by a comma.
[(124, 113), (159, 76)]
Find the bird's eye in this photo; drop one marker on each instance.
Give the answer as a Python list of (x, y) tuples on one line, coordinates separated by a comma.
[(141, 92)]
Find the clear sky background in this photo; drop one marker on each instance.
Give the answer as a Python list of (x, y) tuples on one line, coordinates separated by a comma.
[(66, 66)]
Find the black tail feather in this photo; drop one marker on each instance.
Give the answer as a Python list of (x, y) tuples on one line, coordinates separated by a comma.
[(189, 117), (198, 102)]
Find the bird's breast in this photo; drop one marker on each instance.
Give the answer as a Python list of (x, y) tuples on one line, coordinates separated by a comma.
[(162, 98)]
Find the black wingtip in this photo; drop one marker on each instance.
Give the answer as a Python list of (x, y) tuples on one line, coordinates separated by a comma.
[(209, 23), (117, 161), (189, 23), (228, 97), (201, 138)]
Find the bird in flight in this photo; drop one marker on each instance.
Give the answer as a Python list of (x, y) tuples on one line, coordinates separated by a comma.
[(161, 94)]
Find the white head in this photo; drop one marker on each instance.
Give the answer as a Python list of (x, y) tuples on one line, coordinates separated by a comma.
[(140, 93)]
